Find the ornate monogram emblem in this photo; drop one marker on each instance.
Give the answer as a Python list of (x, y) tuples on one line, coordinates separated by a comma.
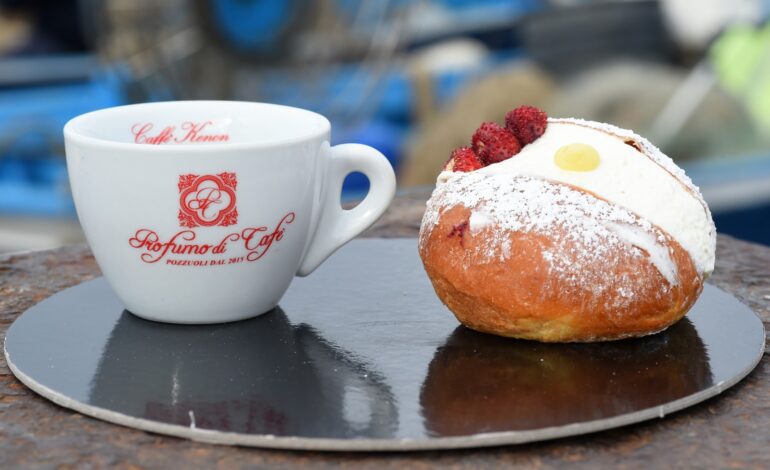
[(207, 200)]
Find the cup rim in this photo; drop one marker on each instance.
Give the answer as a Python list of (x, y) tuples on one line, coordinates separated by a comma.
[(74, 135)]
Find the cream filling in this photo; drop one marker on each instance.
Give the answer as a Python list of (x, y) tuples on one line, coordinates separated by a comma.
[(658, 253), (625, 177)]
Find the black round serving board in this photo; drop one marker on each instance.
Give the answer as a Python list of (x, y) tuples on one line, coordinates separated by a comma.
[(361, 355)]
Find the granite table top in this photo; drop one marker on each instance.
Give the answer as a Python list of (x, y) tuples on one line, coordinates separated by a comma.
[(728, 431)]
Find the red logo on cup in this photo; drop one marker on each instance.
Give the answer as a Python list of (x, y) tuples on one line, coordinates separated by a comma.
[(207, 200)]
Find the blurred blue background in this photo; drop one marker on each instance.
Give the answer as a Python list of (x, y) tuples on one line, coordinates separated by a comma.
[(411, 78)]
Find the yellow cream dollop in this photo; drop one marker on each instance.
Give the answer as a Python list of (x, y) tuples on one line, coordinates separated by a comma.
[(577, 157)]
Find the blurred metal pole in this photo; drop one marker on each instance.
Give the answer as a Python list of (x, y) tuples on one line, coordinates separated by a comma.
[(683, 104)]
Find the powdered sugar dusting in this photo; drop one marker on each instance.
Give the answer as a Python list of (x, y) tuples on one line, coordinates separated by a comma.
[(658, 157), (654, 246), (583, 228), (478, 221)]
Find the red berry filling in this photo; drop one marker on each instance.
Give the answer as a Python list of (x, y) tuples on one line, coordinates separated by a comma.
[(459, 230)]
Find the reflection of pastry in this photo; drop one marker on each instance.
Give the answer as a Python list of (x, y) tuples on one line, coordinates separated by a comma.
[(587, 233), (482, 383)]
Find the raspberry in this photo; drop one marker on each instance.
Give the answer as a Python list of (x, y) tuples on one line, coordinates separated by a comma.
[(527, 123), (463, 159), (493, 144)]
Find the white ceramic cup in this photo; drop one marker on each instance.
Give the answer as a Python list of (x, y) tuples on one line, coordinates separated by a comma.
[(204, 211)]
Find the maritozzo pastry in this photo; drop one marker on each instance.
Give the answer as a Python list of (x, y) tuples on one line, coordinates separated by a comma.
[(565, 230)]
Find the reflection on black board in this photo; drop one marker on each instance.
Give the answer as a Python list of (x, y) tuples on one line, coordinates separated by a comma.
[(258, 376), (484, 383)]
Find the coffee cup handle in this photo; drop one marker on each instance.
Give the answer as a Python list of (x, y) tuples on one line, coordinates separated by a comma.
[(337, 226)]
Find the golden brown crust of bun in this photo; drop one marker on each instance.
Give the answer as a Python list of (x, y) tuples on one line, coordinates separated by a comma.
[(516, 293)]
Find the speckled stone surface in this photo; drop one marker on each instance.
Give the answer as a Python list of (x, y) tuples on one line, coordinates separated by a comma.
[(729, 431)]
